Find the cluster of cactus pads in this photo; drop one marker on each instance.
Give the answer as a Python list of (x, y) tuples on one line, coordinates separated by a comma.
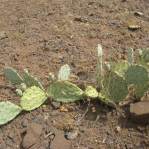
[(32, 93), (114, 83), (122, 75)]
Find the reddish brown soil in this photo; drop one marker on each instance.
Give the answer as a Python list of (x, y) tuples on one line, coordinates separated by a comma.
[(42, 35)]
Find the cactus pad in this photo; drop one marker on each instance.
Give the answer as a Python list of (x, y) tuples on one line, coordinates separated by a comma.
[(91, 92), (32, 98), (8, 111), (145, 55), (64, 91), (120, 67), (12, 75), (30, 80), (64, 72), (114, 87), (138, 76)]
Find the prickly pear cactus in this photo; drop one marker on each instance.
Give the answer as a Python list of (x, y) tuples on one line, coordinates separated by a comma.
[(12, 75), (64, 72), (8, 111), (105, 99), (130, 56), (145, 55), (64, 91), (114, 87), (139, 77), (32, 98), (120, 67), (30, 80), (91, 92)]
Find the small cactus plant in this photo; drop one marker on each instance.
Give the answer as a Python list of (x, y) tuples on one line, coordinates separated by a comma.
[(144, 57), (32, 98), (130, 56), (114, 87), (138, 76), (91, 92), (30, 80), (120, 67), (64, 91), (12, 75), (99, 69), (8, 111), (64, 72)]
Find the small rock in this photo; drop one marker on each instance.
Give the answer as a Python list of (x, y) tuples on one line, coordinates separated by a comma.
[(140, 110), (35, 129), (80, 19), (56, 105), (60, 142), (118, 129), (93, 109), (11, 135), (133, 27), (137, 13), (63, 109), (28, 141), (70, 135), (32, 136), (3, 35)]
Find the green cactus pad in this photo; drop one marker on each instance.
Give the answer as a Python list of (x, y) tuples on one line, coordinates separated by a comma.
[(120, 67), (64, 91), (32, 98), (64, 72), (103, 98), (130, 56), (114, 87), (145, 55), (30, 80), (8, 111), (138, 76), (12, 75), (91, 92)]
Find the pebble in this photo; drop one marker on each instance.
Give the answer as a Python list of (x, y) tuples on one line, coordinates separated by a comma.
[(137, 13), (56, 105), (3, 35), (60, 142), (32, 136), (118, 129), (70, 135), (140, 110)]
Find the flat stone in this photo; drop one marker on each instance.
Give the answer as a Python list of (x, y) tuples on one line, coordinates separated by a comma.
[(60, 142), (140, 108), (56, 105), (70, 135), (32, 136)]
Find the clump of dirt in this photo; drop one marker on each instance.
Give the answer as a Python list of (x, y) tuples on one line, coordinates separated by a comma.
[(42, 35)]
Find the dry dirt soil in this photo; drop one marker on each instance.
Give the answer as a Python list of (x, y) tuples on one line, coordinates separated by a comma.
[(42, 35)]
